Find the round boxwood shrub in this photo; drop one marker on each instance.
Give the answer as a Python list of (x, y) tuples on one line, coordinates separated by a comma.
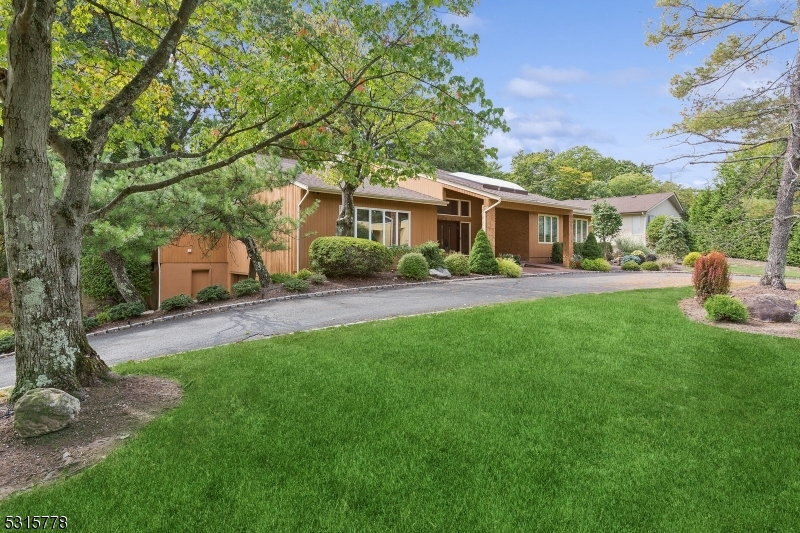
[(432, 253), (212, 293), (691, 259), (508, 268), (723, 307), (413, 266), (181, 301), (295, 284), (457, 263), (650, 265), (630, 258), (348, 256), (481, 257), (98, 283), (126, 310), (596, 265), (591, 248), (303, 274), (246, 287), (631, 265)]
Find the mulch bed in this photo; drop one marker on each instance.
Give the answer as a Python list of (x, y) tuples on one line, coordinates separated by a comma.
[(108, 416)]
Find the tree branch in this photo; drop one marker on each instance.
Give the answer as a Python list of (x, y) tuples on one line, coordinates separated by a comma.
[(24, 19)]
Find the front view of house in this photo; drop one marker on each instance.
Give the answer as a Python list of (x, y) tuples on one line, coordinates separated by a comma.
[(449, 208)]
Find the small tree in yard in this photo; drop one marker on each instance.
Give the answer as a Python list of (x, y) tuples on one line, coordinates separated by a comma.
[(711, 275), (673, 240), (481, 257), (606, 221), (655, 229), (591, 250)]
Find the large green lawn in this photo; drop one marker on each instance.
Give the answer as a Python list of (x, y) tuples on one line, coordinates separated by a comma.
[(587, 413)]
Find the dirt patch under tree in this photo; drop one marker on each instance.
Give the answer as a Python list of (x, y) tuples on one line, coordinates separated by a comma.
[(109, 414)]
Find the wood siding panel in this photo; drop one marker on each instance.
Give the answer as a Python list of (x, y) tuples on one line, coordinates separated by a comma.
[(424, 186), (282, 261)]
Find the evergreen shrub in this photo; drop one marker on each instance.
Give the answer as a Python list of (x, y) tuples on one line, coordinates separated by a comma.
[(631, 265), (180, 301), (508, 268), (481, 257), (126, 310), (591, 248), (432, 253), (98, 283), (295, 284), (650, 265), (348, 256), (723, 307), (557, 253), (246, 287), (630, 259), (596, 265), (213, 293), (690, 259), (279, 277), (413, 266), (711, 275), (317, 278), (7, 341), (457, 263), (90, 322)]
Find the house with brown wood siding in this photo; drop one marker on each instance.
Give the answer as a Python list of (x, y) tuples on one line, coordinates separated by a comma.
[(449, 208)]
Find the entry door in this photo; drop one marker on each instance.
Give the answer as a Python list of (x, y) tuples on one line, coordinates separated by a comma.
[(200, 280), (449, 236)]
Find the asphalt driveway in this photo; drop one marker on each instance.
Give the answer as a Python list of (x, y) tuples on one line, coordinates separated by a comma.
[(260, 321)]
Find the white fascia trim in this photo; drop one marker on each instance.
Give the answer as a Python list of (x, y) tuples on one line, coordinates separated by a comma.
[(432, 201)]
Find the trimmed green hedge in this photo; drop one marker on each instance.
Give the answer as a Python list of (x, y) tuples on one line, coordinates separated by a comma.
[(457, 264), (343, 256), (213, 293), (246, 287), (181, 301), (98, 283)]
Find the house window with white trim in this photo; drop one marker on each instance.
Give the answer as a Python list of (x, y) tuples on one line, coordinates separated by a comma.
[(580, 229), (386, 227), (548, 229)]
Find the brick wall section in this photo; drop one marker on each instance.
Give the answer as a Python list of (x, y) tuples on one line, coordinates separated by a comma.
[(568, 236), (514, 232)]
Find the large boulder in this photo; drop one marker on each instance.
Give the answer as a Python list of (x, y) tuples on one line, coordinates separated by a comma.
[(41, 411), (441, 273), (771, 307)]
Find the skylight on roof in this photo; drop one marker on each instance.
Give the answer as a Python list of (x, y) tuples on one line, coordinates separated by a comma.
[(484, 180)]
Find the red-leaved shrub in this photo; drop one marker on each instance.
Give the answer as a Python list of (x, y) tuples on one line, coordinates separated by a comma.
[(711, 275)]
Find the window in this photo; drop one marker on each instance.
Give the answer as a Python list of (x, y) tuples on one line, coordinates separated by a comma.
[(455, 208), (548, 228), (580, 229), (650, 219), (386, 227)]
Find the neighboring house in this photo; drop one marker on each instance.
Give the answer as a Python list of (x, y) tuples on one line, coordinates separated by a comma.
[(450, 209), (638, 210)]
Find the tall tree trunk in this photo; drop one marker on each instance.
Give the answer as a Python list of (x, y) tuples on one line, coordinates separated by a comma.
[(121, 279), (345, 224), (256, 261), (782, 222), (45, 355)]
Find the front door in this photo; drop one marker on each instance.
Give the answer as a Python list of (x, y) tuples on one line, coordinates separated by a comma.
[(449, 236)]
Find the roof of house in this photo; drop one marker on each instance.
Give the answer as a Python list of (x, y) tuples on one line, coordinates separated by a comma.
[(367, 190), (501, 190), (638, 203)]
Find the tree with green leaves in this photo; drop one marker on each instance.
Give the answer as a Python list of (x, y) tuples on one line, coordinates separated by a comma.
[(242, 78), (631, 184), (759, 122), (606, 222), (380, 134)]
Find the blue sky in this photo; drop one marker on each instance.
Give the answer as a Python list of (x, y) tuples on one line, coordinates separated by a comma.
[(577, 72)]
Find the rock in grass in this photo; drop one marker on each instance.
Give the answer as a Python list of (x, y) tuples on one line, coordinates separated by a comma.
[(42, 411)]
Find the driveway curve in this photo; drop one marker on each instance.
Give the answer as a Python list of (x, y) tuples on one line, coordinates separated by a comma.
[(275, 318)]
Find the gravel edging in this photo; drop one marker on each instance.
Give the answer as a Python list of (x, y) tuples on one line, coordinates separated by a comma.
[(228, 307)]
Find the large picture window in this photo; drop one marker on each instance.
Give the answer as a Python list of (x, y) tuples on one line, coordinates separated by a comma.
[(581, 229), (548, 229), (386, 227), (459, 208)]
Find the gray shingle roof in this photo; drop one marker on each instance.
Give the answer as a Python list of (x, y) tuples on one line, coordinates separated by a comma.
[(638, 203), (314, 183)]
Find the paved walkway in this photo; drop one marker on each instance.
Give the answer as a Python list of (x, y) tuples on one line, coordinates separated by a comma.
[(259, 321)]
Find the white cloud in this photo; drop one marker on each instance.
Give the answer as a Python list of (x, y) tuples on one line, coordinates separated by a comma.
[(548, 74), (469, 23), (545, 128), (530, 89)]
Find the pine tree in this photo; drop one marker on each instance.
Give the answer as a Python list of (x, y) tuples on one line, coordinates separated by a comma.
[(481, 257), (591, 249)]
